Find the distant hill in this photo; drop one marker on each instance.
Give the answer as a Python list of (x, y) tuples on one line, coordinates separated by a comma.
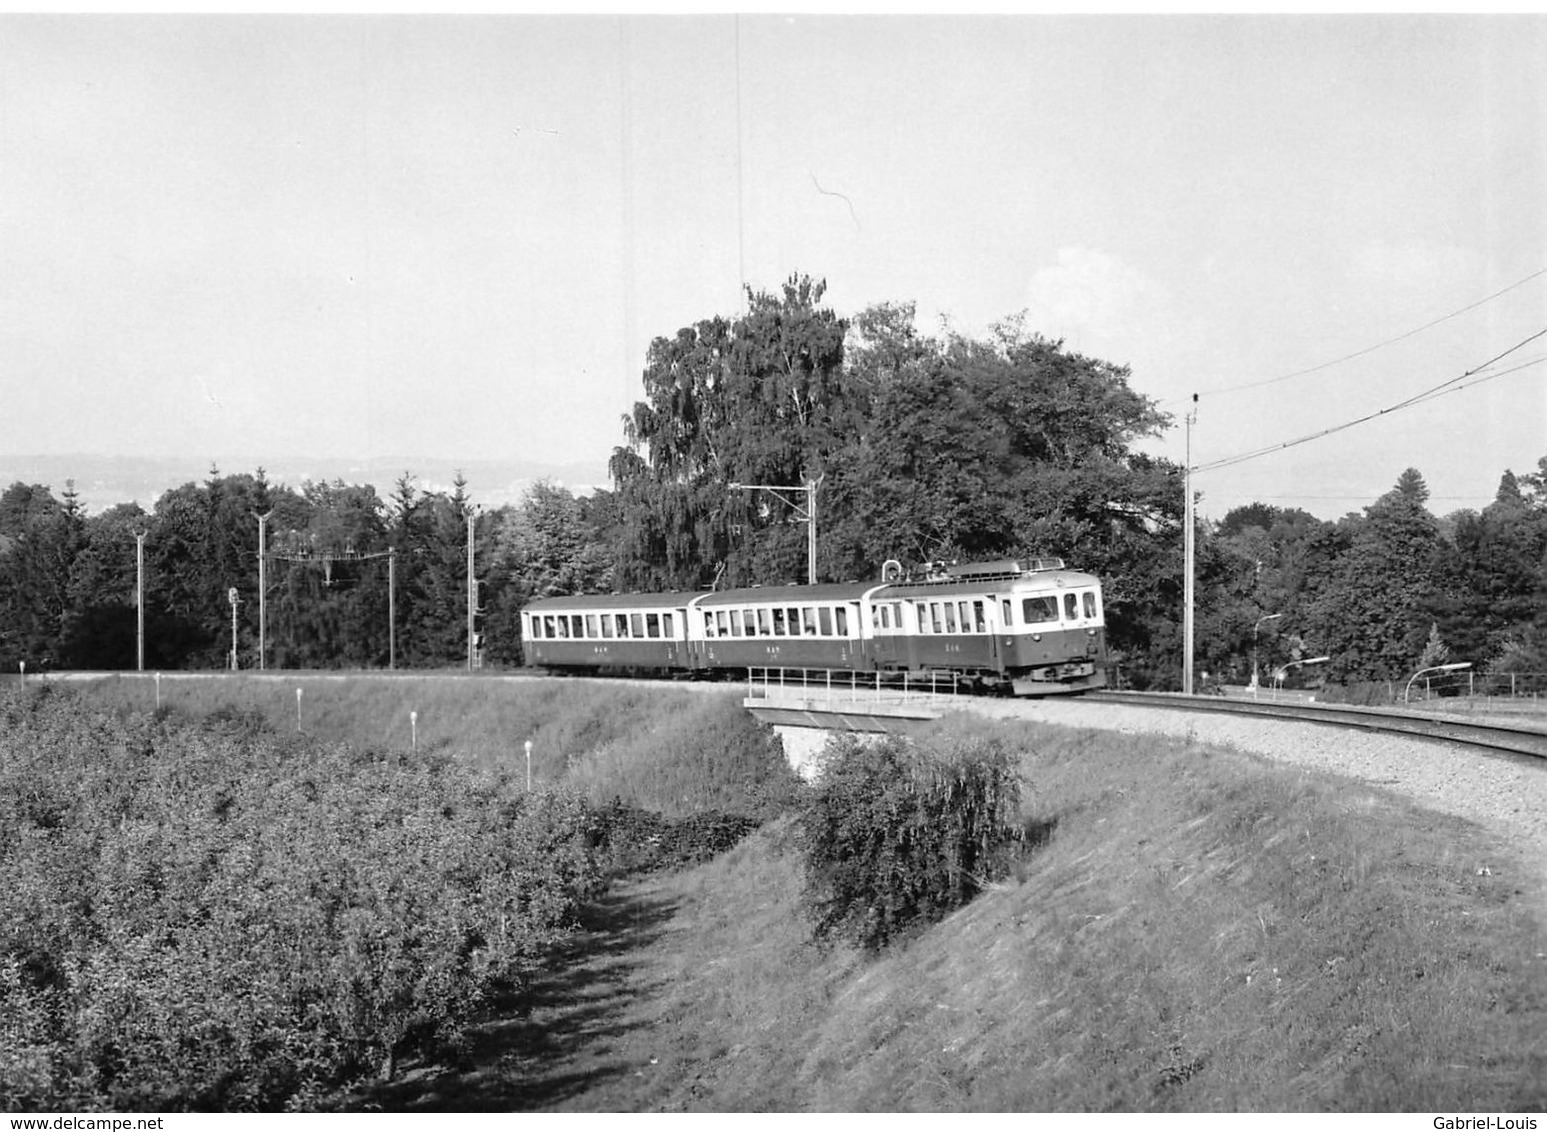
[(104, 481)]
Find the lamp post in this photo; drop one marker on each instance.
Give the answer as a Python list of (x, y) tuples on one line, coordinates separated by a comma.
[(1435, 668), (235, 600), (1282, 671), (1258, 625), (263, 587), (808, 516)]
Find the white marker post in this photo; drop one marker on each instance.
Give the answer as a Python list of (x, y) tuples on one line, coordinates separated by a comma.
[(413, 723), (528, 766), (158, 691), (298, 709)]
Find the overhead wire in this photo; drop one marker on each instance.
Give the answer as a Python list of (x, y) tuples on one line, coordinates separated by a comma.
[(1377, 346), (1450, 385)]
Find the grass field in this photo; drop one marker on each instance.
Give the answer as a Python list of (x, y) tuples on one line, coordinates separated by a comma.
[(1198, 931)]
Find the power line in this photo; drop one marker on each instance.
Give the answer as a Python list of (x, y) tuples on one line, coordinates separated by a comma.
[(1450, 385), (1379, 345)]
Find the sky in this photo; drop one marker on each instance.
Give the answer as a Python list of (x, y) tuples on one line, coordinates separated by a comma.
[(245, 238)]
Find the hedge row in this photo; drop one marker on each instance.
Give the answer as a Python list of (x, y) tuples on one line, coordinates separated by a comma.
[(212, 917)]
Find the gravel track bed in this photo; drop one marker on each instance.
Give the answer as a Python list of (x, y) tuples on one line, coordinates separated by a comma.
[(1506, 796)]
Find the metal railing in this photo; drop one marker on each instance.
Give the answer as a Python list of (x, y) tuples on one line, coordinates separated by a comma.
[(808, 685)]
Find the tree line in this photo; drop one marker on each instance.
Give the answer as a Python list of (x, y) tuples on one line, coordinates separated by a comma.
[(919, 447)]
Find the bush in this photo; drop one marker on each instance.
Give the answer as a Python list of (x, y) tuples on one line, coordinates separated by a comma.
[(896, 836), (633, 840), (203, 916)]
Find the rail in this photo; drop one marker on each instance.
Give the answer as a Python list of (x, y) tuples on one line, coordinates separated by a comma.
[(1499, 737)]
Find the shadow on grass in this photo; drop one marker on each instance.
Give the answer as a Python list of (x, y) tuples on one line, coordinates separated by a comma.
[(556, 1041)]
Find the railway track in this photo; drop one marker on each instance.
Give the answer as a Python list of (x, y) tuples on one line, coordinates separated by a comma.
[(1496, 737)]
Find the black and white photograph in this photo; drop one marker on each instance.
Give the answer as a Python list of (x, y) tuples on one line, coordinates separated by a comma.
[(692, 560)]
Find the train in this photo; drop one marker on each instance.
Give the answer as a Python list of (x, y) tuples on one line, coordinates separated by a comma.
[(1011, 627)]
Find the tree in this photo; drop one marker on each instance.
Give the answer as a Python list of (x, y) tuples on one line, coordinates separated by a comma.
[(1371, 614), (756, 400)]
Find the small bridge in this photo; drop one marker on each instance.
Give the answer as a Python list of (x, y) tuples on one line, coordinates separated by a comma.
[(806, 706)]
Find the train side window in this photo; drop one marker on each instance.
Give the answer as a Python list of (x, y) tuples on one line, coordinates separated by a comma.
[(666, 625), (607, 626), (978, 617), (825, 613), (923, 612), (934, 617), (735, 622), (950, 617), (842, 620), (764, 625), (808, 618), (576, 626), (590, 625), (708, 623), (636, 624), (1089, 597), (1036, 610), (1071, 607), (548, 630), (537, 627), (792, 618), (750, 620), (778, 621), (885, 613), (1006, 612), (652, 625)]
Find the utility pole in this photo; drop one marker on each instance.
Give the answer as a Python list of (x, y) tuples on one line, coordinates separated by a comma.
[(806, 515), (263, 587), (139, 601), (1187, 555), (472, 591), (392, 608)]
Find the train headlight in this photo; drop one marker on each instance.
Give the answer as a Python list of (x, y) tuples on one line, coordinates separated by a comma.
[(1090, 632), (1036, 636)]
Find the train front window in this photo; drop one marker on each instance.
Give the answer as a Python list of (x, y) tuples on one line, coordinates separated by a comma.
[(1089, 598), (1071, 607), (1038, 610), (1006, 612), (884, 612)]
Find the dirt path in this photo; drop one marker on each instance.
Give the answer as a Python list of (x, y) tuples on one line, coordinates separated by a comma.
[(581, 1040)]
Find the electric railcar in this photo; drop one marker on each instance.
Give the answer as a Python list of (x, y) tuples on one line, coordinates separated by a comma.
[(1028, 628)]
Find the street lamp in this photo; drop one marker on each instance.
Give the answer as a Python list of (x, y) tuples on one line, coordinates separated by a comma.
[(1281, 673), (1436, 668), (1258, 625), (809, 516)]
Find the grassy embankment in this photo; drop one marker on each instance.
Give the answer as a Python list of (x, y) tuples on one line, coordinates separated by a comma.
[(1197, 931)]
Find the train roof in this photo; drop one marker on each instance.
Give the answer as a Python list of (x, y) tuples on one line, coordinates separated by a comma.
[(583, 602), (783, 595), (977, 586)]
